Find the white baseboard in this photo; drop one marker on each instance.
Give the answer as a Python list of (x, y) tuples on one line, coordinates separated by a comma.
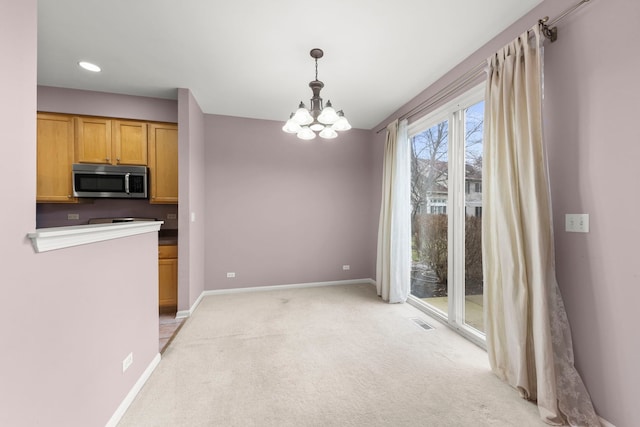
[(283, 287), (117, 416), (605, 423), (187, 313), (183, 314)]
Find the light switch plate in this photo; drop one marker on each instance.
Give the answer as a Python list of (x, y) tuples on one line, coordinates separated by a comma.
[(577, 223)]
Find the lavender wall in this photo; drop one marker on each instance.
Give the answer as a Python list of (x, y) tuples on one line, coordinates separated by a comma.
[(192, 195), (282, 211), (76, 101), (592, 99), (69, 317), (591, 104)]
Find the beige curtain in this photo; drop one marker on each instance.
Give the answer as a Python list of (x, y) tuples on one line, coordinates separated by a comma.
[(528, 336), (393, 267)]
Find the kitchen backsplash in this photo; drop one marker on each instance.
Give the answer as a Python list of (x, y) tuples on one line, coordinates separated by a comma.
[(59, 214)]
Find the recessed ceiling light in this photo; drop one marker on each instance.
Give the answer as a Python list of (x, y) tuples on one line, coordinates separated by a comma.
[(89, 66)]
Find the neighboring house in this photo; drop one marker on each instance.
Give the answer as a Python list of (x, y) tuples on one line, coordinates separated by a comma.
[(430, 188), (473, 190)]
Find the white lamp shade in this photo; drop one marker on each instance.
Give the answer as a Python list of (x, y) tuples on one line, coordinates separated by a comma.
[(316, 126), (328, 115), (341, 124), (291, 127), (302, 116), (306, 133), (328, 133)]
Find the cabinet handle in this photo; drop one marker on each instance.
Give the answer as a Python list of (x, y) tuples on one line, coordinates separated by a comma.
[(68, 196), (108, 159), (118, 160)]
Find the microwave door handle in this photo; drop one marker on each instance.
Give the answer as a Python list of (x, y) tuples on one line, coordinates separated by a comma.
[(126, 183)]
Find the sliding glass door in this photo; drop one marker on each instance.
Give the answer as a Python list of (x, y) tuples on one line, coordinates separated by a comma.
[(446, 212), (429, 215)]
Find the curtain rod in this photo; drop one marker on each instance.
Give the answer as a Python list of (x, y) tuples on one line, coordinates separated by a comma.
[(548, 30)]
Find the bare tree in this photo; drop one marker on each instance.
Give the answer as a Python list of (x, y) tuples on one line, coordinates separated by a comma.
[(429, 177), (428, 164), (429, 169)]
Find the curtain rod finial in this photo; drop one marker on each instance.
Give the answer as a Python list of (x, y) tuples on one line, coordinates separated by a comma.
[(549, 32)]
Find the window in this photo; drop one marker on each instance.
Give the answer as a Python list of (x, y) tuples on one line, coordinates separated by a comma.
[(446, 176)]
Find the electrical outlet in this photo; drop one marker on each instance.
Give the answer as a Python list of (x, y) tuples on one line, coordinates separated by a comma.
[(346, 267), (172, 216), (231, 275), (127, 362), (72, 216)]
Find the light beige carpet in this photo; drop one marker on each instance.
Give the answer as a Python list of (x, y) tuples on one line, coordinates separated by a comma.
[(328, 356)]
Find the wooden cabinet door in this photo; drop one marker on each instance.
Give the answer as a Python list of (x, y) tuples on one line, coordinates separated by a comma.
[(167, 282), (130, 142), (163, 163), (54, 158), (93, 140)]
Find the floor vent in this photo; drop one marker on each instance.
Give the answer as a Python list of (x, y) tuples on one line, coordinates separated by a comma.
[(424, 325)]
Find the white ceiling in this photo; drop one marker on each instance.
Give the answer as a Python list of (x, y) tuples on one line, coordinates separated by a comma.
[(250, 58)]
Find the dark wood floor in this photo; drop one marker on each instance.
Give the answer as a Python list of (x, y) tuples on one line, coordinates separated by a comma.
[(169, 327)]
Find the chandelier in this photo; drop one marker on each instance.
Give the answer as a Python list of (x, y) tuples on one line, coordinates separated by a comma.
[(324, 120)]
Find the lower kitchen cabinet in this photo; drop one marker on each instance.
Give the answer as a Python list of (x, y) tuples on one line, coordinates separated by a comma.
[(168, 277)]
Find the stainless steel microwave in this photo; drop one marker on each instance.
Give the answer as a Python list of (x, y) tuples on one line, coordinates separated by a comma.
[(126, 182)]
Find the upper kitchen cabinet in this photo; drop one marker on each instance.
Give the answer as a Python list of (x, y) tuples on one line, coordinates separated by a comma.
[(130, 142), (54, 158), (93, 140), (111, 142), (163, 163)]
